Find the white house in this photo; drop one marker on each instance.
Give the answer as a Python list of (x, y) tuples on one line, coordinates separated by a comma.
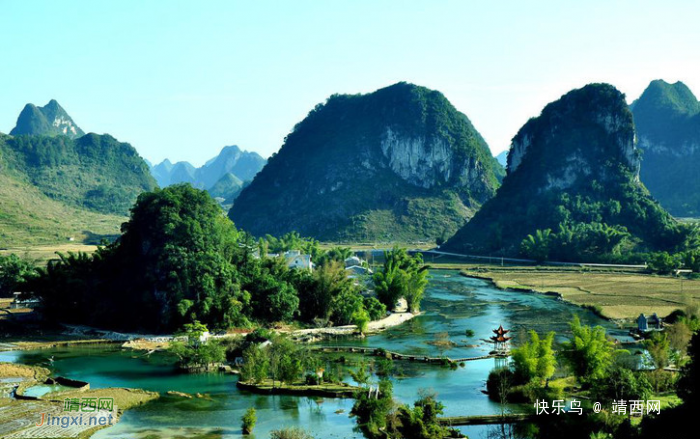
[(295, 259), (353, 261)]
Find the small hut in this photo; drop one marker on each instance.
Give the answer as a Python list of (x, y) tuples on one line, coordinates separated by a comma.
[(650, 323)]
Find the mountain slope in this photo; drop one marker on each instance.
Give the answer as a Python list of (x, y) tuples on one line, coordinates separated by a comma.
[(573, 171), (399, 163), (227, 186), (49, 120), (94, 171), (667, 117), (29, 217)]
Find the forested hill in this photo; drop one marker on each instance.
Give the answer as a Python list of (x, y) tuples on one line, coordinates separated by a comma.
[(667, 117), (572, 190), (49, 151), (399, 163), (96, 172)]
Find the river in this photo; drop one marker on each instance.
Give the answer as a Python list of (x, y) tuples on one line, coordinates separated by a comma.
[(452, 304)]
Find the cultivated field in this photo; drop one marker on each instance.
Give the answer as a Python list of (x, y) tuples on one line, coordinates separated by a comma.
[(39, 254), (615, 294)]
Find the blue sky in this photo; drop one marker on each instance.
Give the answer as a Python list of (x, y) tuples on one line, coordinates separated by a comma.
[(183, 79)]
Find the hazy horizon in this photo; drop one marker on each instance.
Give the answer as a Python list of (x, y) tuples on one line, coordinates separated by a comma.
[(181, 80)]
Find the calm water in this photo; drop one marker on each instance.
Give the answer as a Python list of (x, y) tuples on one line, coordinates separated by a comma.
[(452, 304)]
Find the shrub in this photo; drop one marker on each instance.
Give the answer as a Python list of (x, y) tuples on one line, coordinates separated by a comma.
[(311, 379), (248, 421)]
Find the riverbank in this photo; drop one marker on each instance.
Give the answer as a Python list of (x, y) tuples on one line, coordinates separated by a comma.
[(161, 342), (614, 295), (28, 417), (374, 327)]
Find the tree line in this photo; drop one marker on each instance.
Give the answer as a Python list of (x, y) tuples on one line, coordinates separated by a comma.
[(179, 260)]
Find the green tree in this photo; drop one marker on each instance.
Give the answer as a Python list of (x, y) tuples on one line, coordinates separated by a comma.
[(663, 263), (658, 347), (421, 421), (256, 364), (403, 275), (373, 406), (197, 351), (321, 291), (589, 353), (537, 246), (274, 299), (534, 359), (361, 319), (621, 383), (346, 306), (13, 272)]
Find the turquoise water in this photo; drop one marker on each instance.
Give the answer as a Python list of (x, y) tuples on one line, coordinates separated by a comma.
[(43, 389), (452, 304)]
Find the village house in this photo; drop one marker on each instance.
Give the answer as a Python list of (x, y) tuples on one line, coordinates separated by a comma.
[(19, 302), (651, 323), (357, 270)]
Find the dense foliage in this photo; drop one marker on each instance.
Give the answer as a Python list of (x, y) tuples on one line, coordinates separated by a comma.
[(94, 171), (179, 260), (403, 276), (196, 351), (574, 195), (589, 353), (331, 179), (534, 359), (13, 271), (277, 359)]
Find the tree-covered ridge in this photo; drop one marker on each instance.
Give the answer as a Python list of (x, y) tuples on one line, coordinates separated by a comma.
[(572, 185), (49, 120), (667, 117), (94, 171), (398, 163)]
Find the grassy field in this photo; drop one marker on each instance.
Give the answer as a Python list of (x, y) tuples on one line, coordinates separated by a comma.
[(615, 294), (30, 218)]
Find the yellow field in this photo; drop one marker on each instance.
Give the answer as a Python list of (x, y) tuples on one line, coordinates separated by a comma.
[(42, 253), (617, 295)]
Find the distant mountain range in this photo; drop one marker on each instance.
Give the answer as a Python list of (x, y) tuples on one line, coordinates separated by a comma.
[(400, 163), (667, 117), (223, 176), (572, 188)]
